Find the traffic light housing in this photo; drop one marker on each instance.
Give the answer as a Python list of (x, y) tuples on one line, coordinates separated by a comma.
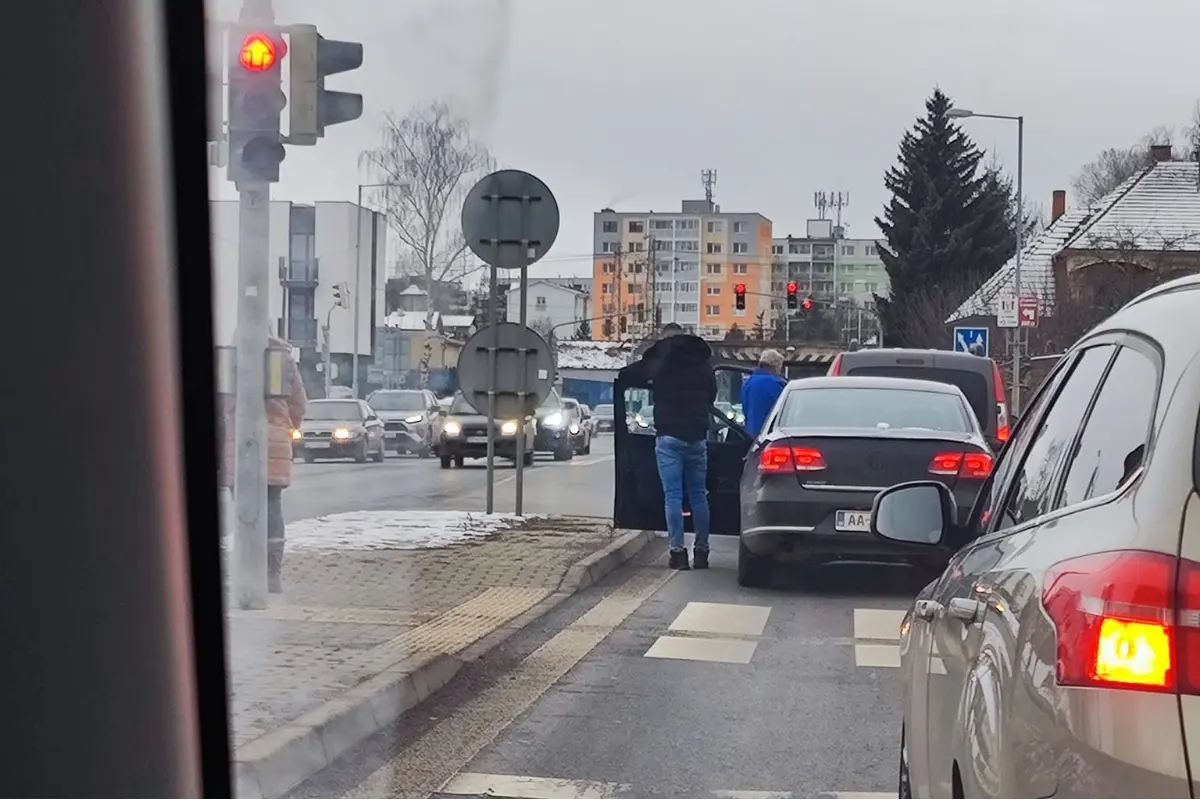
[(341, 295), (739, 296), (312, 108), (807, 305), (792, 288), (256, 101)]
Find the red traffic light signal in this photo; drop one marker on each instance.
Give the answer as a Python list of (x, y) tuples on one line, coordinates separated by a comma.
[(807, 304), (259, 52), (792, 287), (740, 288), (739, 296)]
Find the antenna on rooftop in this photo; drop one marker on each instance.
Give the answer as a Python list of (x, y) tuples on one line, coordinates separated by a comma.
[(708, 177)]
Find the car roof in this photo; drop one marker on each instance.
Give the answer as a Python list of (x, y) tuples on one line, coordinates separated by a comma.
[(333, 400), (942, 358), (871, 382)]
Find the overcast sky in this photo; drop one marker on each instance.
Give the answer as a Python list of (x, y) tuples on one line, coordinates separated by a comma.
[(622, 103)]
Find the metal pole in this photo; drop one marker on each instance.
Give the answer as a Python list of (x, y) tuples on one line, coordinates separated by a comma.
[(519, 502), (1016, 365), (674, 286), (357, 285), (490, 503), (328, 353)]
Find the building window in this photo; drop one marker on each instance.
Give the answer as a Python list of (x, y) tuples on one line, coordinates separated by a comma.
[(741, 247), (847, 249), (689, 286), (687, 308), (776, 249), (714, 247), (302, 247), (609, 226), (663, 224), (608, 267), (871, 287), (690, 246), (637, 247), (739, 227), (712, 311), (845, 288), (715, 226), (663, 244), (637, 226), (610, 247), (540, 302), (712, 290), (872, 250), (712, 269), (687, 225), (739, 269), (606, 288)]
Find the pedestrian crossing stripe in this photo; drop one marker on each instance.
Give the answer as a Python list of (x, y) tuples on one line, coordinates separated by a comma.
[(514, 787), (877, 640), (724, 633)]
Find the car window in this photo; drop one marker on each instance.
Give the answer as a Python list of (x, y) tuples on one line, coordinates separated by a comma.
[(1031, 492), (364, 409), (332, 411), (398, 401), (1115, 436), (869, 407), (973, 384)]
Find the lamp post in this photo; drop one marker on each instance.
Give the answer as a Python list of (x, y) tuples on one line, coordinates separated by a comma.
[(358, 275), (963, 113)]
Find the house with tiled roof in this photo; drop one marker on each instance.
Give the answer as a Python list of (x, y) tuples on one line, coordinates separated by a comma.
[(1091, 260)]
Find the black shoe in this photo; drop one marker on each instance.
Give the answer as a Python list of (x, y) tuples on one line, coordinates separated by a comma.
[(679, 560), (700, 558)]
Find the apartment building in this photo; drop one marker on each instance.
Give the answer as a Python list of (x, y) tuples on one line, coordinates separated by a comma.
[(827, 266), (651, 268)]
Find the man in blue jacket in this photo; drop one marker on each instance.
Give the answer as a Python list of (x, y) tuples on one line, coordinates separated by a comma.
[(762, 389)]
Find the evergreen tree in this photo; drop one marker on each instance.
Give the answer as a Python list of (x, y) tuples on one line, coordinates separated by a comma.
[(947, 227), (584, 332)]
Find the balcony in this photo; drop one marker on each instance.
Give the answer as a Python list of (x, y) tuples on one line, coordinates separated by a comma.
[(298, 274), (302, 332)]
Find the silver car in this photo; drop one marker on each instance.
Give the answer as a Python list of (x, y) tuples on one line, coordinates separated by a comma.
[(1053, 657)]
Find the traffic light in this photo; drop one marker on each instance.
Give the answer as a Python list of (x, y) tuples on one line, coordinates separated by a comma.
[(739, 297), (792, 288), (256, 101), (341, 295), (807, 304), (313, 58)]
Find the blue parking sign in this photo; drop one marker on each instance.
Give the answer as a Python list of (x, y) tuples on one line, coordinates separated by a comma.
[(971, 340)]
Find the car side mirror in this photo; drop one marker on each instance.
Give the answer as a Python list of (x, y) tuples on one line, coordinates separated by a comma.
[(442, 412), (371, 417), (920, 513)]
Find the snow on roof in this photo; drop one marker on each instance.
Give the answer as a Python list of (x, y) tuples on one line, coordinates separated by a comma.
[(410, 320), (549, 282), (458, 320), (1158, 208), (591, 355), (413, 290)]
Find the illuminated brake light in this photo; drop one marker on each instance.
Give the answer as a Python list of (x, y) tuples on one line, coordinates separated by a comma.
[(1126, 620), (786, 458), (1002, 427), (965, 465), (836, 367)]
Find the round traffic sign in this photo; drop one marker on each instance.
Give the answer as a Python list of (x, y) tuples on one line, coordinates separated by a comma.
[(510, 219), (516, 345)]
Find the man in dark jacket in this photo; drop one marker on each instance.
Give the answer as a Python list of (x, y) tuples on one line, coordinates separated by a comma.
[(678, 370)]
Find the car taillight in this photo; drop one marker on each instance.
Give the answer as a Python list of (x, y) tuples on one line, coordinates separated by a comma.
[(1126, 619), (789, 458), (836, 367), (1002, 428), (964, 465)]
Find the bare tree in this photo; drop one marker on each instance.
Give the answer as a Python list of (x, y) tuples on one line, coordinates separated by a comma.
[(1112, 167), (429, 161)]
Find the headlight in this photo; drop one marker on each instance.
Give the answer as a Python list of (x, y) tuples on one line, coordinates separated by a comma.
[(297, 435), (341, 433), (413, 419), (553, 420), (509, 428), (574, 427), (452, 428)]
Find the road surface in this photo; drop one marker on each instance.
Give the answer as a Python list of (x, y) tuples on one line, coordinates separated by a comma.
[(665, 684)]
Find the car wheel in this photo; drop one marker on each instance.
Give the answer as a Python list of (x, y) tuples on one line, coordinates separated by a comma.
[(445, 462), (903, 786), (528, 458), (425, 452), (458, 461), (308, 458), (753, 571), (380, 454), (360, 453), (565, 453), (587, 448)]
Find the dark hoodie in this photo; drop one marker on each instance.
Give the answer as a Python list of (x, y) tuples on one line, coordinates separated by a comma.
[(678, 370)]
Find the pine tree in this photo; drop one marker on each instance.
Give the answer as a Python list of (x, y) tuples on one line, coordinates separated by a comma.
[(947, 227), (584, 332)]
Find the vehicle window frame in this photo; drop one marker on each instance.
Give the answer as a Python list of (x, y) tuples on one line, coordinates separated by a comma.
[(969, 420), (1148, 349), (1064, 369)]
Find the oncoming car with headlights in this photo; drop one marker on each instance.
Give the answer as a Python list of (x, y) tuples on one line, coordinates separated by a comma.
[(465, 435), (554, 428), (339, 429)]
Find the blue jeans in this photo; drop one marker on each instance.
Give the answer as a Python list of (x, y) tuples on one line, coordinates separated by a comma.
[(684, 465)]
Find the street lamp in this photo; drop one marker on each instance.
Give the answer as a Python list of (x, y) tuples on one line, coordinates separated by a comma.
[(963, 113), (358, 274)]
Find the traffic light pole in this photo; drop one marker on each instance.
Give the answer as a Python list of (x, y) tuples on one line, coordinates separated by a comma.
[(250, 407)]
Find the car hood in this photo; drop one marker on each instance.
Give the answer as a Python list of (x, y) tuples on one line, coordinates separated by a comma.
[(318, 425), (390, 416)]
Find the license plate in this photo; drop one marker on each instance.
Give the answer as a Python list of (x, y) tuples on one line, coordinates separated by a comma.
[(391, 434), (853, 521), (317, 445), (476, 440)]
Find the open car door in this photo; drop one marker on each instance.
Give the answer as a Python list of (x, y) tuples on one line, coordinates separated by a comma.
[(639, 502)]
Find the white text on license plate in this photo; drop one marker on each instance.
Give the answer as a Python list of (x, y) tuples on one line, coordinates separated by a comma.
[(318, 445), (853, 521), (476, 440)]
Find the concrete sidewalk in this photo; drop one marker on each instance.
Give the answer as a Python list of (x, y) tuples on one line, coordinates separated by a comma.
[(366, 631)]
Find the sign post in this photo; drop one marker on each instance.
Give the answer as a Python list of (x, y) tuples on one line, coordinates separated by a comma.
[(1028, 311), (510, 220), (1006, 311)]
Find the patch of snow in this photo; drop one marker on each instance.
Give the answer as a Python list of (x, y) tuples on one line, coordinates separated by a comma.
[(591, 355), (394, 530)]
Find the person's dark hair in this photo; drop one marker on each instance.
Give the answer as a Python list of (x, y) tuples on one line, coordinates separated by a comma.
[(672, 327)]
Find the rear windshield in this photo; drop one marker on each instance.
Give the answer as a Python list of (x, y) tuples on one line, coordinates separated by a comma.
[(397, 401), (972, 384), (868, 408)]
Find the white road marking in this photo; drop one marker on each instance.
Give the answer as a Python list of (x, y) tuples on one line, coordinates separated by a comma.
[(691, 648), (588, 461), (479, 784), (880, 624), (877, 655), (722, 619), (863, 795), (751, 795)]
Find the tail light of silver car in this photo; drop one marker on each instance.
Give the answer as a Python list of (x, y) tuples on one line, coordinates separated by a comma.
[(1003, 430), (975, 466), (1126, 619), (783, 457)]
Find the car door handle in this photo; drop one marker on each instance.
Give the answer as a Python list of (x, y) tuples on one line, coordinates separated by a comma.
[(966, 609), (927, 609)]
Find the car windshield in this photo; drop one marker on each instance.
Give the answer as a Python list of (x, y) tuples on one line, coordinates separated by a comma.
[(461, 406), (332, 411), (863, 407), (551, 403), (397, 401)]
